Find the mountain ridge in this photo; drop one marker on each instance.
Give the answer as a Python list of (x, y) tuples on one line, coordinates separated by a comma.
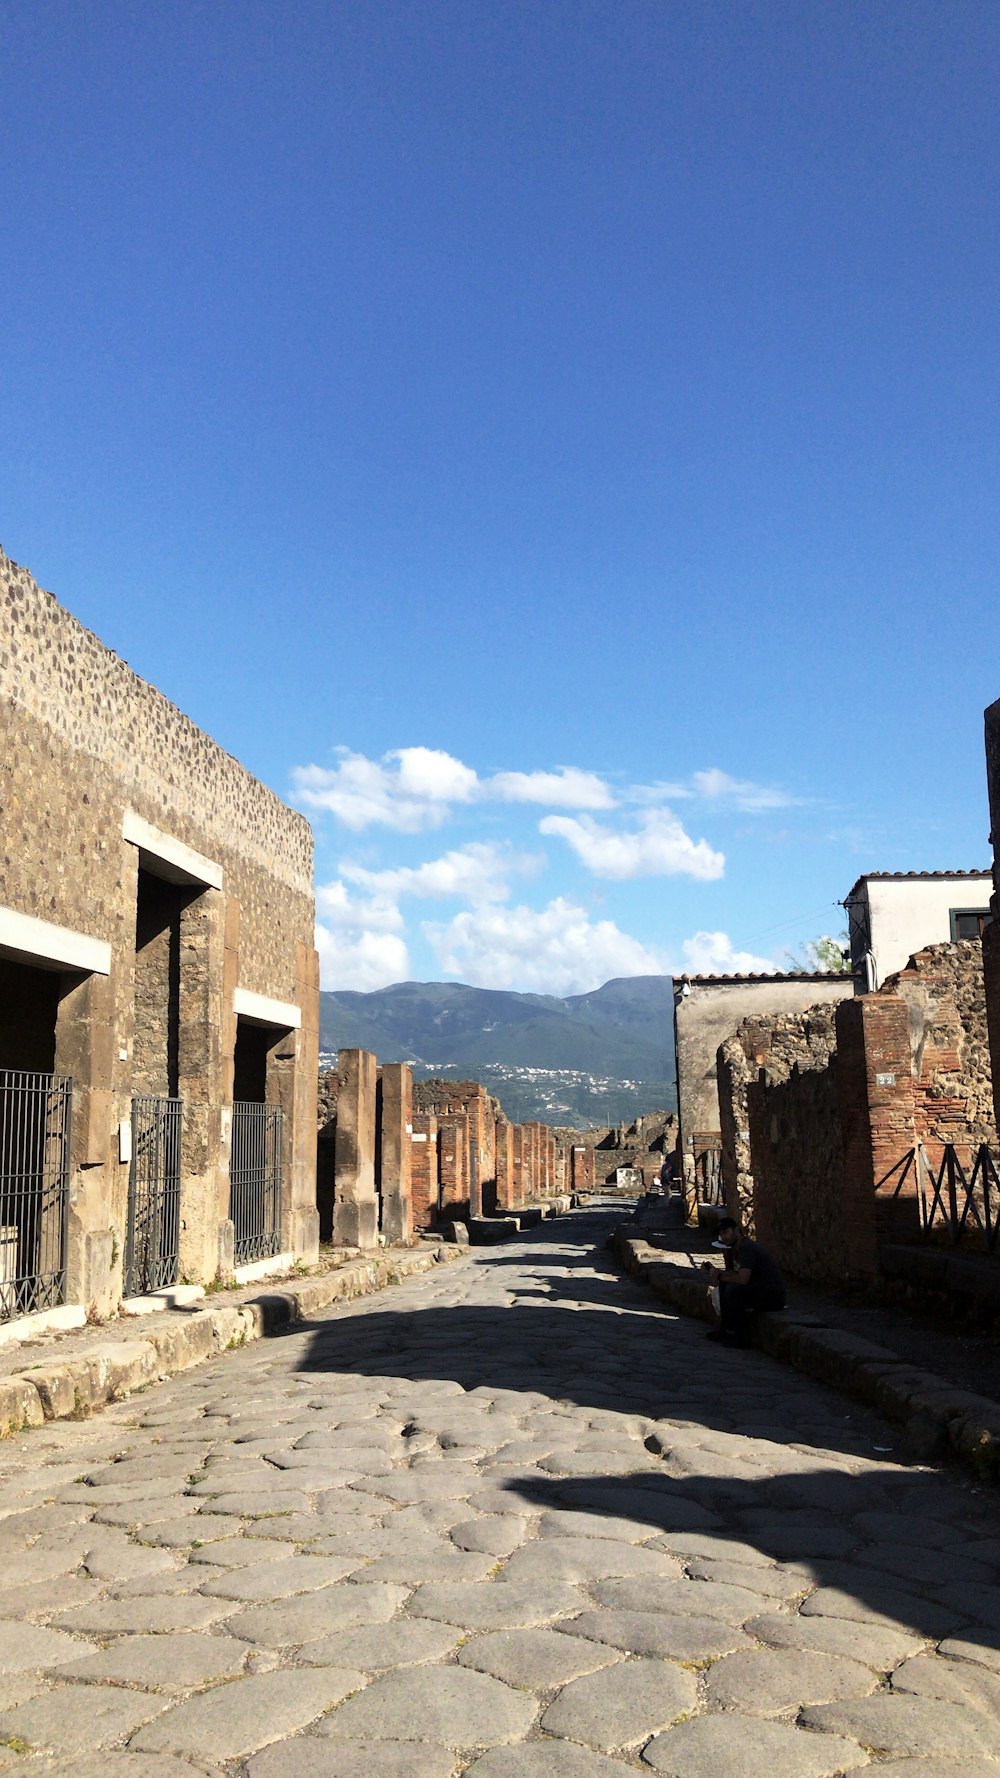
[(610, 1046)]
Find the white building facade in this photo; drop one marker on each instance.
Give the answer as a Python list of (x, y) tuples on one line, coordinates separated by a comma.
[(892, 914)]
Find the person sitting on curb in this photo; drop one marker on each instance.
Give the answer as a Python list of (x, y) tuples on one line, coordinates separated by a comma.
[(751, 1280)]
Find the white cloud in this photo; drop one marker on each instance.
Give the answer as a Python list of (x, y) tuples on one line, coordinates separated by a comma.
[(567, 788), (556, 950), (410, 789), (712, 953), (480, 873), (359, 941), (720, 788), (659, 847)]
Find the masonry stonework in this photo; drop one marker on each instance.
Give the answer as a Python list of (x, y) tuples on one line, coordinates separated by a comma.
[(991, 936), (134, 843)]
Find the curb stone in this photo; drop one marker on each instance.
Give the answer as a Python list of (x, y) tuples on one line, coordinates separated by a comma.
[(937, 1416), (71, 1387)]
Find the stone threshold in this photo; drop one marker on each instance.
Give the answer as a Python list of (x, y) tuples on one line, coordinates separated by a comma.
[(938, 1418), (79, 1375)]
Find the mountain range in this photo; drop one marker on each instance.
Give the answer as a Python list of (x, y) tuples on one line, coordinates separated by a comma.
[(585, 1060)]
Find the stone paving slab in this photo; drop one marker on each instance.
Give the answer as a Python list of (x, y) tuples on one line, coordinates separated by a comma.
[(622, 1705), (461, 1709), (712, 1745), (439, 1598)]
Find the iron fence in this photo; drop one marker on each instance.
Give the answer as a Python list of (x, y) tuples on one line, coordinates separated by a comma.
[(954, 1198), (708, 1177), (255, 1172), (35, 1114), (152, 1240)]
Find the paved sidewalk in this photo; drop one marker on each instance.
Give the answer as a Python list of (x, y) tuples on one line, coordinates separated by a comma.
[(511, 1518)]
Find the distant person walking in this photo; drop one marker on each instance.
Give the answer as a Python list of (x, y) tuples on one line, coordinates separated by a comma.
[(750, 1281)]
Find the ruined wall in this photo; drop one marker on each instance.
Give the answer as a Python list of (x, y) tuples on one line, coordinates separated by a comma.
[(801, 1040), (943, 989), (991, 937), (707, 1010), (798, 1160)]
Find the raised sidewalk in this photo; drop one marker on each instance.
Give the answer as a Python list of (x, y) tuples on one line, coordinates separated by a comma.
[(938, 1417), (66, 1375)]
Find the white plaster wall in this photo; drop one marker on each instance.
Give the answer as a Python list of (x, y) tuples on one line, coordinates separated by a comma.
[(908, 915)]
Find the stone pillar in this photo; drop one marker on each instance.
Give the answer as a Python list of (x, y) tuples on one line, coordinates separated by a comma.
[(355, 1208), (991, 937), (395, 1101), (206, 1121), (520, 1170), (98, 1195), (504, 1163), (425, 1181), (875, 1090), (300, 1216)]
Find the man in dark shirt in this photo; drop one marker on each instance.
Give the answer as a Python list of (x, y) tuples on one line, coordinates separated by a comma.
[(751, 1281)]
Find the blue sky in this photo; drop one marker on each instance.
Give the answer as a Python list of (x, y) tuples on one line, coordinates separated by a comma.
[(554, 445)]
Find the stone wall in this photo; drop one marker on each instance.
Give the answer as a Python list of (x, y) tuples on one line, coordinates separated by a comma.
[(707, 1010), (90, 753), (821, 1110), (991, 937), (802, 1041), (943, 989)]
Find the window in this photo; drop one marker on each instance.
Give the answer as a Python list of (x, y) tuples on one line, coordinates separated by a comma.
[(969, 922)]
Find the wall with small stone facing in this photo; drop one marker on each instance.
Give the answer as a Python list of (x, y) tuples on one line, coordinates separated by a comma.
[(802, 1041), (84, 745)]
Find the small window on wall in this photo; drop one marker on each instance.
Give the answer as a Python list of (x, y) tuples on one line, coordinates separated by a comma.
[(969, 922)]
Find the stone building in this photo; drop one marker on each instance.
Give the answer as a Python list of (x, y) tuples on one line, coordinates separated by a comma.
[(707, 1010), (158, 985)]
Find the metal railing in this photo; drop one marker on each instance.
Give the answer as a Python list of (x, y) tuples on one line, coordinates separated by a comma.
[(255, 1172), (954, 1197), (152, 1240), (35, 1114)]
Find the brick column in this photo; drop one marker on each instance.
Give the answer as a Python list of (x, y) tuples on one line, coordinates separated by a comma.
[(453, 1132), (395, 1123), (582, 1168), (425, 1182), (875, 1090), (355, 1208)]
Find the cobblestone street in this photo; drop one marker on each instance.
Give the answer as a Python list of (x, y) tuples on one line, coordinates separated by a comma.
[(513, 1519)]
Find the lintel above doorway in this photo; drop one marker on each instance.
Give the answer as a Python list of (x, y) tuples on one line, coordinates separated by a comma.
[(168, 857), (259, 1009), (46, 946)]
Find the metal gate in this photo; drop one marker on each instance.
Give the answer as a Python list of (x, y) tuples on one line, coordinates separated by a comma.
[(255, 1181), (154, 1196), (34, 1190)]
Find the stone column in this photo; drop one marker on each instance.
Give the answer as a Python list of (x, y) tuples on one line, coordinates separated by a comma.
[(504, 1163), (300, 1214), (355, 1208), (395, 1149), (205, 1127), (98, 1194)]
